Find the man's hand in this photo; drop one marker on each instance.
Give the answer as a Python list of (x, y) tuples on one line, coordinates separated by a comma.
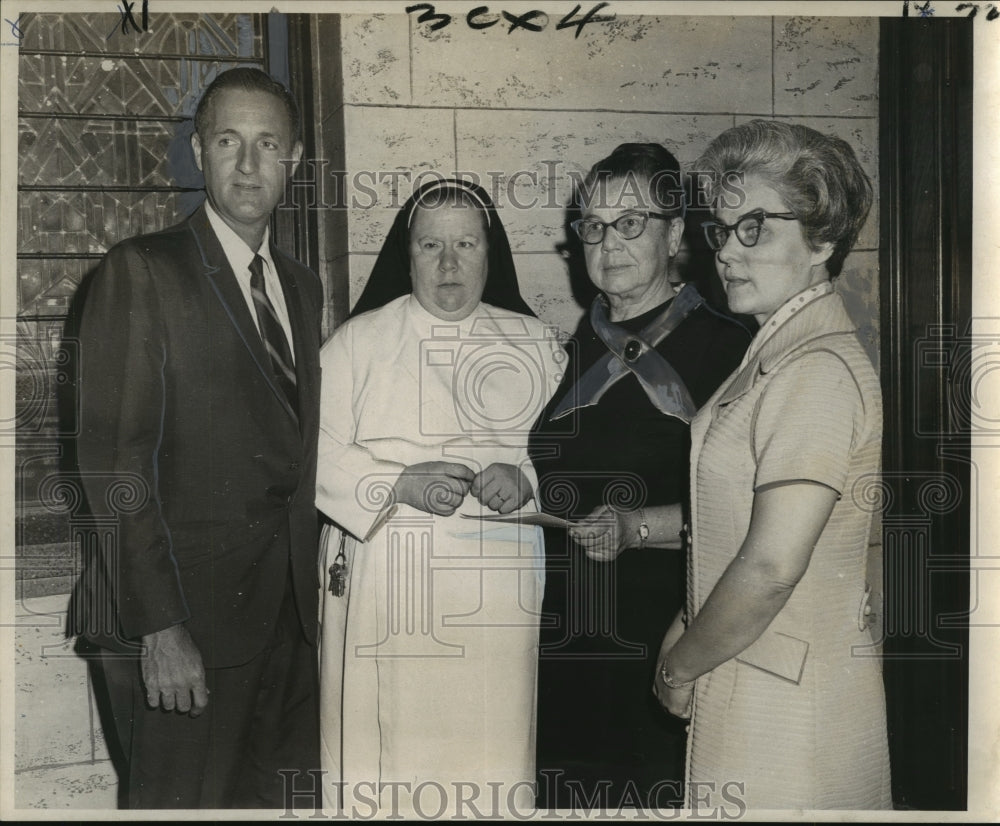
[(173, 673), (502, 488), (434, 487)]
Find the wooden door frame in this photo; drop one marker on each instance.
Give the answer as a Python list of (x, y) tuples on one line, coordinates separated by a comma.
[(925, 122)]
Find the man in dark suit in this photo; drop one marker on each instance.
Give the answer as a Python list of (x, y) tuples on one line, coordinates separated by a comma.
[(199, 404)]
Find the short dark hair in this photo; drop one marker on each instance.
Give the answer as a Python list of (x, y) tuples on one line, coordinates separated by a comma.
[(247, 79), (650, 162), (817, 176)]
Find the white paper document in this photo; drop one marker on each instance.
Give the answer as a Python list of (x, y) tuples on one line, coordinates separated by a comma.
[(545, 520)]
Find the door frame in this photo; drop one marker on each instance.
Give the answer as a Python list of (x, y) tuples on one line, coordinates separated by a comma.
[(925, 123)]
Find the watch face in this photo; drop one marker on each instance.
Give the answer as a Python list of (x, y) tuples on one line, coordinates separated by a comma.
[(644, 531)]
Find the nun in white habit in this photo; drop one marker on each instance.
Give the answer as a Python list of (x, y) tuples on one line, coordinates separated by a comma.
[(429, 617)]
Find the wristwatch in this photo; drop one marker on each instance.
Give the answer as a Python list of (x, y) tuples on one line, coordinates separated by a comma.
[(643, 529)]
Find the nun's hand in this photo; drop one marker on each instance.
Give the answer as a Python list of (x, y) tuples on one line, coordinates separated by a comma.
[(502, 488), (434, 487)]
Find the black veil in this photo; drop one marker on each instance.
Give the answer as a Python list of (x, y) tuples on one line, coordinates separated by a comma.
[(390, 277)]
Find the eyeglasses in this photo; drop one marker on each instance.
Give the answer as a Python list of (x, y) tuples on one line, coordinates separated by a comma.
[(628, 226), (747, 228)]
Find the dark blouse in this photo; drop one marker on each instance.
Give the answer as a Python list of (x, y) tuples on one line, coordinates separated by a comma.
[(603, 622)]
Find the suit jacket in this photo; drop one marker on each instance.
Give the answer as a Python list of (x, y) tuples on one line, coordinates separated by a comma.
[(189, 451)]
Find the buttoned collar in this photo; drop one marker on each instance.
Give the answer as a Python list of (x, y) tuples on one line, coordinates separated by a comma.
[(783, 314), (824, 315)]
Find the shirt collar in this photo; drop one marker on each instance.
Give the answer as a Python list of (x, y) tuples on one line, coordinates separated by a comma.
[(237, 251), (823, 316), (783, 314)]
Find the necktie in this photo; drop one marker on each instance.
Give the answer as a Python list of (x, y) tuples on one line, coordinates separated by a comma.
[(272, 334)]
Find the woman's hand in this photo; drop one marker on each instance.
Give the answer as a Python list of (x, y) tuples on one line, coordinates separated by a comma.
[(676, 701), (434, 487), (606, 533), (502, 488)]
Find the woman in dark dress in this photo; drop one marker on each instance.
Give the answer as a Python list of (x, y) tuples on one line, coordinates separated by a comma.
[(642, 361)]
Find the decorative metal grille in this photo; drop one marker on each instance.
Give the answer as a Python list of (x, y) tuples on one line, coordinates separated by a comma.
[(103, 127)]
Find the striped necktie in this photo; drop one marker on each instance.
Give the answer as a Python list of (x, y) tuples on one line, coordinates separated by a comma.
[(272, 334)]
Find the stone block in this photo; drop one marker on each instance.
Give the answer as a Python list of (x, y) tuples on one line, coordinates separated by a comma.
[(375, 55), (550, 290), (52, 700), (86, 786), (360, 268), (826, 66), (387, 150), (654, 63)]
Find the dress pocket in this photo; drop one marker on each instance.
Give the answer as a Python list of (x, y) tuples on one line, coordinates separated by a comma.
[(777, 653)]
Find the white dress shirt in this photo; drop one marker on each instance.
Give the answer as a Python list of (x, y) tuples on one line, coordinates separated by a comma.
[(239, 255)]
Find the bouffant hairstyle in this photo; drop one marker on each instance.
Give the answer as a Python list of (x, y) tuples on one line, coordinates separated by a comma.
[(817, 176)]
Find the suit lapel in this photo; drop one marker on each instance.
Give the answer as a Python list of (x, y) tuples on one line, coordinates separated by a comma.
[(225, 286)]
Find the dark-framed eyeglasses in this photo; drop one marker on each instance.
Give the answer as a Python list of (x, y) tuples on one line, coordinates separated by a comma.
[(628, 226), (747, 228)]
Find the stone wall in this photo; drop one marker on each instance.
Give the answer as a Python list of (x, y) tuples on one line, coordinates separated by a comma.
[(524, 110)]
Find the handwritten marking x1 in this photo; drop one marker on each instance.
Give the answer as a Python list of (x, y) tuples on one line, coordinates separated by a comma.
[(14, 28), (125, 10)]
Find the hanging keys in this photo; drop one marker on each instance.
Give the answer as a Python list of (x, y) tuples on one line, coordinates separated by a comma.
[(338, 577), (338, 570)]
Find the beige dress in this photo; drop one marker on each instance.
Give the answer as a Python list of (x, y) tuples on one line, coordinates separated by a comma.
[(798, 719), (428, 661)]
